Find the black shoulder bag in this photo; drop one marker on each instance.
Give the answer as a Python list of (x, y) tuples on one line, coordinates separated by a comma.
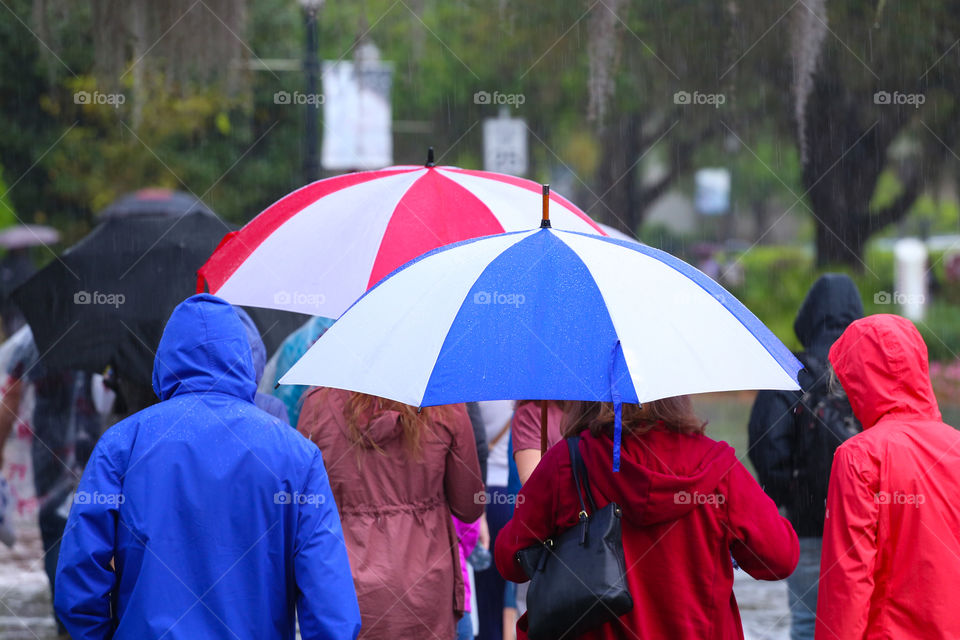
[(578, 578)]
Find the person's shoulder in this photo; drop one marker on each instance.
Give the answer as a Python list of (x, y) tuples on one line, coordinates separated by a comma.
[(118, 439), (525, 424), (865, 451)]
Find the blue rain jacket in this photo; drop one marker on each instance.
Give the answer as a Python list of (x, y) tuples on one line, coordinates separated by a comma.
[(219, 518)]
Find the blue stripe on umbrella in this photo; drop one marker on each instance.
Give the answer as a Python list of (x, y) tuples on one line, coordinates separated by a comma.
[(521, 292)]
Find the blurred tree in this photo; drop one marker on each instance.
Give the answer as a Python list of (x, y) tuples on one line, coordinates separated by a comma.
[(7, 214), (623, 97), (876, 86)]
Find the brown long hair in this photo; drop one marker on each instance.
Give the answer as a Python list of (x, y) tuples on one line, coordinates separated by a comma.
[(361, 409), (675, 413)]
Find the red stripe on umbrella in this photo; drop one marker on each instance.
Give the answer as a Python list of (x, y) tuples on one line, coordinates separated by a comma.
[(422, 222), (230, 255)]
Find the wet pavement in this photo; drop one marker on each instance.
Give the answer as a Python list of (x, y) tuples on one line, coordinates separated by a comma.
[(25, 599), (763, 608), (25, 610)]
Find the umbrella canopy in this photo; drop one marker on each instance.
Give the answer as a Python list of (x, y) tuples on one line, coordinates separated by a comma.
[(321, 247), (154, 202), (106, 299), (23, 236), (546, 314)]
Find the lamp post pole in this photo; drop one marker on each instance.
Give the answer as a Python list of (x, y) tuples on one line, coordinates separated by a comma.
[(311, 68)]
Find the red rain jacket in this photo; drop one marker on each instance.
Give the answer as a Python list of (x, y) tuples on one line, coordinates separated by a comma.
[(688, 504), (891, 546)]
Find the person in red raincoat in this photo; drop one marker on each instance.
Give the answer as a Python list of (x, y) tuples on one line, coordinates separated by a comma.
[(891, 546), (688, 505)]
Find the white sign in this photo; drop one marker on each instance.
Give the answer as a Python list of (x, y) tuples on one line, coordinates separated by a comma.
[(505, 145), (909, 279), (712, 194), (357, 115)]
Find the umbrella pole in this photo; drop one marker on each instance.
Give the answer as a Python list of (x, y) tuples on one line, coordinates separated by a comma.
[(544, 224), (543, 427)]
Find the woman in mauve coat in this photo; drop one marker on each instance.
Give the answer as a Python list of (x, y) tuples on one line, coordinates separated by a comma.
[(397, 477), (688, 505)]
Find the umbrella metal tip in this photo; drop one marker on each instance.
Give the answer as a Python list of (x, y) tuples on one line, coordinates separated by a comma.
[(430, 161)]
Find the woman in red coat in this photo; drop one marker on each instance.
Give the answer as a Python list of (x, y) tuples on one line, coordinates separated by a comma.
[(688, 504)]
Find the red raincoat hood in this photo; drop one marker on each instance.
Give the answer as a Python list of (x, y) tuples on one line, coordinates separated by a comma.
[(663, 475), (881, 361)]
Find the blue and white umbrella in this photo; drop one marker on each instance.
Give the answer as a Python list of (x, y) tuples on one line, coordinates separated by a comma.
[(546, 314)]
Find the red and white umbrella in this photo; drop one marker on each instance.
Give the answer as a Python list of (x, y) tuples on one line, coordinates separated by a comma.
[(321, 247)]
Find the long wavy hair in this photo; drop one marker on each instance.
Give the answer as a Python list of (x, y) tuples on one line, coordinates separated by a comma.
[(675, 413), (361, 409)]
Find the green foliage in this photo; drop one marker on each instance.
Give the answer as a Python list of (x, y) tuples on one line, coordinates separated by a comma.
[(7, 215)]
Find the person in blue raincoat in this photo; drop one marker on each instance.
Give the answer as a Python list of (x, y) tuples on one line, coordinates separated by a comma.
[(202, 516)]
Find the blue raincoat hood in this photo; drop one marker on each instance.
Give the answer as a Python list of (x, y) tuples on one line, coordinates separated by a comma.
[(204, 349)]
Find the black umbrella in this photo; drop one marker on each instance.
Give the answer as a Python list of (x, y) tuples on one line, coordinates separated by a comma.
[(153, 202), (106, 299), (274, 325)]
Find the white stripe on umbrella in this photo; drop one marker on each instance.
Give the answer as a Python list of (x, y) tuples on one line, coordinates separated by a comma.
[(348, 256), (429, 293)]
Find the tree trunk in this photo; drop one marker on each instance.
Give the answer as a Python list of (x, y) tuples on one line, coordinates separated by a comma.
[(616, 184), (847, 140)]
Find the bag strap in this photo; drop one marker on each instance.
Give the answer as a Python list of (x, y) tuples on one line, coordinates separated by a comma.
[(580, 470), (501, 433)]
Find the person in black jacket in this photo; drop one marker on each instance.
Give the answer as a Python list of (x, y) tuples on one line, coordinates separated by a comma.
[(793, 435)]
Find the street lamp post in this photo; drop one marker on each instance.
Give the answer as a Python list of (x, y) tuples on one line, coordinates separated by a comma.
[(311, 68)]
